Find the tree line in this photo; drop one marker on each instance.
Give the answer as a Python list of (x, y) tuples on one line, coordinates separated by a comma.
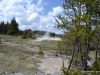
[(4, 27), (81, 25), (9, 28)]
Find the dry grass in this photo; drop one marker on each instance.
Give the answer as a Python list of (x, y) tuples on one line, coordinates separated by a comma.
[(46, 45), (17, 58), (7, 37), (92, 54), (14, 60)]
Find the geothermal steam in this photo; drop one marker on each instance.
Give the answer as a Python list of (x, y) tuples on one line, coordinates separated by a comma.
[(47, 37)]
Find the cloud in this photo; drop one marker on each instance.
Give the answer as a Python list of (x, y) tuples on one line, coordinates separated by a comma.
[(34, 17), (49, 19), (28, 14), (56, 10)]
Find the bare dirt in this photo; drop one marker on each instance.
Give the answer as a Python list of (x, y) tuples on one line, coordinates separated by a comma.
[(52, 65)]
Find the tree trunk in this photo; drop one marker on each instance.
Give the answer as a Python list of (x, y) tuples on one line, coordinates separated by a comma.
[(86, 54), (96, 55), (72, 56)]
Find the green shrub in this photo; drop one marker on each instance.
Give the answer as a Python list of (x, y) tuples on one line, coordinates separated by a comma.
[(33, 37), (96, 65), (40, 52), (76, 71), (24, 37)]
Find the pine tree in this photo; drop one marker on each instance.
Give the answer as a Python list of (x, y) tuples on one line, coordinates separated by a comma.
[(27, 34), (6, 28), (13, 28), (2, 27)]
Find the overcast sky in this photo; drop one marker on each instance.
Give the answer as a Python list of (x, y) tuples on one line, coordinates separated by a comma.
[(33, 14)]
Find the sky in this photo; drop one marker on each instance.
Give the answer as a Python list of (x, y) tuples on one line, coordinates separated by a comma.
[(32, 14)]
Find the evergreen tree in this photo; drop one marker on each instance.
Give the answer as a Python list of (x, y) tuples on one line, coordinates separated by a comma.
[(27, 34), (4, 27), (13, 28)]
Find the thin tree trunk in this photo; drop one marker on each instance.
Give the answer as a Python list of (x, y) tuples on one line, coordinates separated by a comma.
[(96, 55), (76, 61), (72, 56), (63, 62), (81, 57), (96, 52), (86, 55)]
